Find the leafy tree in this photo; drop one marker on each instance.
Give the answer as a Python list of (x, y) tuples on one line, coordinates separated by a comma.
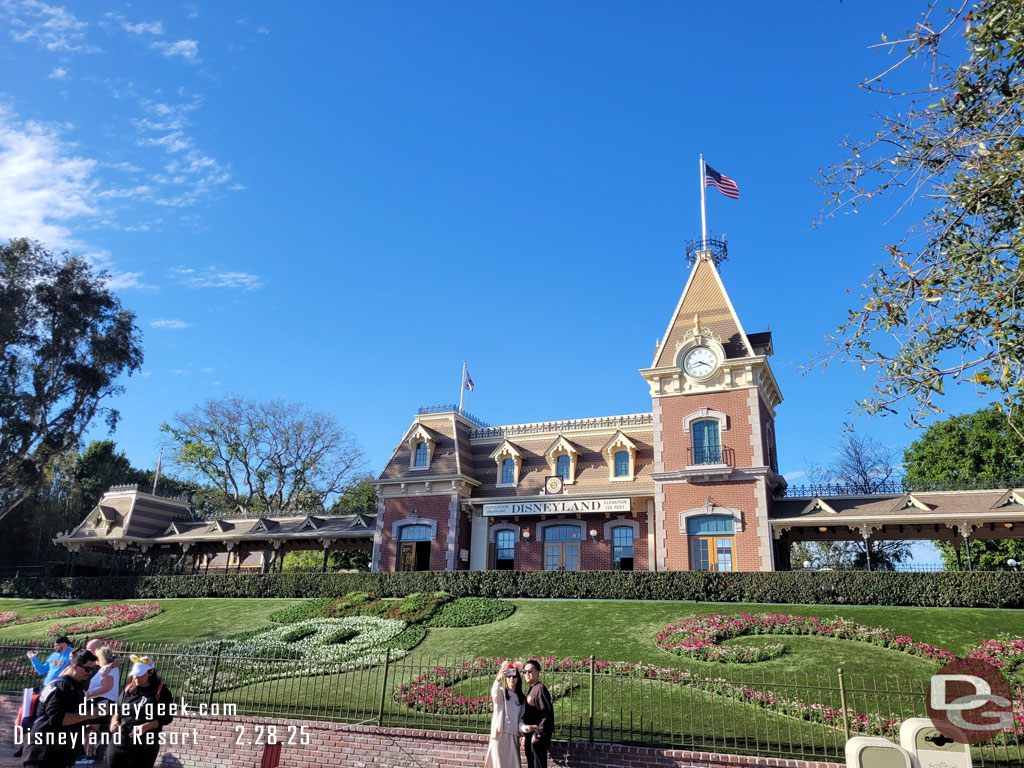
[(861, 464), (264, 456), (65, 340), (975, 450), (341, 560), (944, 304), (99, 467), (360, 496)]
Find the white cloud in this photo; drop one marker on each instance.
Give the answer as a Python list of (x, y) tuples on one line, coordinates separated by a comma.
[(120, 281), (187, 49), (192, 11), (171, 324), (794, 475), (52, 26), (211, 277), (139, 28), (58, 73), (207, 370), (180, 372), (44, 185)]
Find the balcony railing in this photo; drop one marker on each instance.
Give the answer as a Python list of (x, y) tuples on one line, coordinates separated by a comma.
[(710, 454)]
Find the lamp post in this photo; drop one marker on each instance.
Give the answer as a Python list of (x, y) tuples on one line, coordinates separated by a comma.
[(1014, 565)]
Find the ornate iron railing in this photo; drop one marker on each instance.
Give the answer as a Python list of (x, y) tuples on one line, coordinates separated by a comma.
[(569, 425), (710, 454), (428, 410), (895, 488)]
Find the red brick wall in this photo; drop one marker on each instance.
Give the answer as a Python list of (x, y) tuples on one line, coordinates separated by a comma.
[(429, 508), (733, 403), (680, 497), (593, 557), (335, 744)]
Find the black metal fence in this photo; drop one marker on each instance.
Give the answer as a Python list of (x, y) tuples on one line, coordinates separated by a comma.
[(807, 715)]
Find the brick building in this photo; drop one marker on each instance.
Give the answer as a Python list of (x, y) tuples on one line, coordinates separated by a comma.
[(687, 485)]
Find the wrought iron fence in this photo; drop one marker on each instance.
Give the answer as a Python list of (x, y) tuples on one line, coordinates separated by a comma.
[(710, 454), (434, 409), (799, 715)]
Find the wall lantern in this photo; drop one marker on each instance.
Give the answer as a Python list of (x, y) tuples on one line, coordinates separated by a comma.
[(526, 537), (593, 535)]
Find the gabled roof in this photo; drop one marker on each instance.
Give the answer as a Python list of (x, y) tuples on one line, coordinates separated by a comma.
[(1012, 498), (908, 501), (818, 504), (704, 296), (619, 438), (506, 446), (263, 525), (560, 444), (310, 523)]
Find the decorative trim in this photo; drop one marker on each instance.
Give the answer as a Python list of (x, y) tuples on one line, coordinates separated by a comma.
[(707, 510), (542, 527), (818, 504), (557, 427), (702, 414), (907, 501), (562, 447), (420, 434), (619, 442), (622, 522), (492, 532), (413, 520)]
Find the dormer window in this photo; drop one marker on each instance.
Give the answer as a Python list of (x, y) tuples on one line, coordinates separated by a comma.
[(508, 462), (421, 447), (622, 463), (561, 456), (620, 453), (563, 467)]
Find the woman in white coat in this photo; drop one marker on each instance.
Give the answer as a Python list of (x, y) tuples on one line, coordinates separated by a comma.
[(506, 720)]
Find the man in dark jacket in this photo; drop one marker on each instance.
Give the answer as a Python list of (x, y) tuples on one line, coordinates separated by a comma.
[(539, 718), (57, 728)]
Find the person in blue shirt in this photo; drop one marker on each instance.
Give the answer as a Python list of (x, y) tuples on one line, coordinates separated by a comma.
[(56, 663)]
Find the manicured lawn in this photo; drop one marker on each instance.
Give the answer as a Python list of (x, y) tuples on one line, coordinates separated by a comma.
[(610, 630), (182, 621)]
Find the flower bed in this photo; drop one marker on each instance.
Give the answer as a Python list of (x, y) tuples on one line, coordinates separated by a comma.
[(699, 637), (306, 648), (105, 617)]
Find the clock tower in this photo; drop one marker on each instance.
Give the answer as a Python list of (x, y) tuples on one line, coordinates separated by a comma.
[(713, 402)]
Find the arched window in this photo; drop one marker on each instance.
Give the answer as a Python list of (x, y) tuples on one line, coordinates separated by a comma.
[(711, 543), (421, 455), (414, 547), (505, 549), (562, 547), (508, 471), (622, 548), (562, 467), (622, 463), (707, 446)]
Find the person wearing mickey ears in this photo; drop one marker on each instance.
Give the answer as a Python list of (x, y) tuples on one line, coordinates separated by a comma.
[(506, 718), (143, 709), (539, 717)]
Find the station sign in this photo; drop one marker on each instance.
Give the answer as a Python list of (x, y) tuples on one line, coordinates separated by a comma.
[(560, 507)]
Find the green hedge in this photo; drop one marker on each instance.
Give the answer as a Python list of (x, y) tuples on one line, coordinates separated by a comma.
[(981, 589)]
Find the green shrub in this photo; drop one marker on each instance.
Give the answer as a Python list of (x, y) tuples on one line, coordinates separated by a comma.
[(410, 637), (471, 611), (304, 610), (980, 589), (353, 604)]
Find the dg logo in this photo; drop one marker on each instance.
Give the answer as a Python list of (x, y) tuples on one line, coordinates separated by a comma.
[(970, 701)]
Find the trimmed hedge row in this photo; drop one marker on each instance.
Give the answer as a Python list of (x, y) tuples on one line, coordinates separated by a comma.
[(981, 589)]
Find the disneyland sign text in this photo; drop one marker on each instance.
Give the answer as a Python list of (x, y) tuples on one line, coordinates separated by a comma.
[(556, 507)]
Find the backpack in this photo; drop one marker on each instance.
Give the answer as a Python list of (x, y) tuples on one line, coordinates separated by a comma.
[(25, 719)]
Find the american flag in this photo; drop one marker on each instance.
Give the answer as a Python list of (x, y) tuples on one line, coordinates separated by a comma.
[(722, 183)]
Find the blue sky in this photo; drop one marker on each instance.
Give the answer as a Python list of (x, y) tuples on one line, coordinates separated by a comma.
[(339, 202)]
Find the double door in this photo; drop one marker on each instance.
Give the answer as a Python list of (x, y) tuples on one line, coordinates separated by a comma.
[(561, 556)]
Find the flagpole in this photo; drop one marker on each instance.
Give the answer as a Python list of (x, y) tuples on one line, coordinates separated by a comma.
[(703, 207), (156, 476), (462, 385)]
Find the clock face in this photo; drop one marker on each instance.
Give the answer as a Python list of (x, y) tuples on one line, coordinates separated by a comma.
[(553, 484), (700, 362)]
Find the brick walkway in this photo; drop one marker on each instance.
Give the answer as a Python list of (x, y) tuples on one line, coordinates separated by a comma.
[(6, 761)]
